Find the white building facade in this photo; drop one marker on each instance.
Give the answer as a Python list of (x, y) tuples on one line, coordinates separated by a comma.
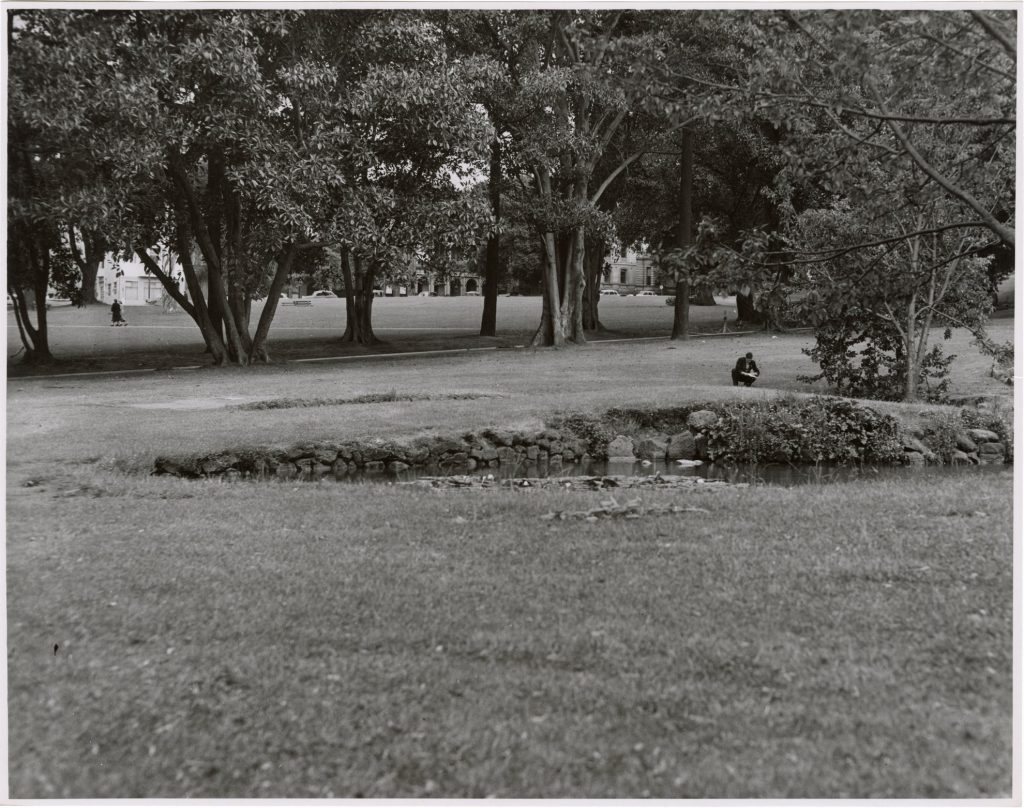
[(631, 272), (128, 282)]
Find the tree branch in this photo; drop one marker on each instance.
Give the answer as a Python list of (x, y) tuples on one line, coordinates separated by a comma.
[(639, 153), (195, 216), (1005, 233), (74, 249), (974, 60), (990, 28), (169, 284)]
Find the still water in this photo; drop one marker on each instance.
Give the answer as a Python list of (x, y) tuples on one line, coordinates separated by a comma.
[(767, 474)]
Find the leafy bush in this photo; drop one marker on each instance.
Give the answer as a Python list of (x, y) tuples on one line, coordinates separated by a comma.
[(1001, 355), (941, 433), (879, 374), (589, 428), (820, 429), (784, 430)]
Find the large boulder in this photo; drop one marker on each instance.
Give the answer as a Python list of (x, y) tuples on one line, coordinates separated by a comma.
[(506, 454), (299, 451), (965, 444), (651, 446), (912, 444), (376, 450), (444, 445), (326, 453), (991, 453), (454, 459), (483, 451), (701, 419), (620, 448), (982, 435), (417, 452), (216, 464), (500, 437), (681, 446), (179, 467)]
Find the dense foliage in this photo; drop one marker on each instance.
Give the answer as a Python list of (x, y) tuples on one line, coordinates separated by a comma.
[(853, 169), (821, 429)]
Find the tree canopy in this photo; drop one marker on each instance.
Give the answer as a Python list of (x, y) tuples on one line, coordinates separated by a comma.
[(841, 152)]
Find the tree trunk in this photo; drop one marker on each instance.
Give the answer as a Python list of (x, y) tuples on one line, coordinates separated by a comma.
[(233, 259), (210, 324), (94, 250), (705, 295), (283, 269), (489, 320), (575, 283), (358, 300), (37, 348), (189, 219), (910, 392), (684, 237), (745, 309), (594, 265), (550, 332), (544, 335), (195, 308)]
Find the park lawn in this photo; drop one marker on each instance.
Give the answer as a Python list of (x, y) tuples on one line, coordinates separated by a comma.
[(83, 341), (127, 421), (303, 640), (282, 639)]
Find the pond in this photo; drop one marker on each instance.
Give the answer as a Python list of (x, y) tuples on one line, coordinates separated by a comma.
[(765, 474)]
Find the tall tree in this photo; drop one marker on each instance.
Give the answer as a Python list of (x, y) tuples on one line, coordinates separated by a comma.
[(930, 89)]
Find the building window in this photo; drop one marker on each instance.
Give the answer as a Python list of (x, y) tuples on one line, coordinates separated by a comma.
[(622, 276), (109, 288), (131, 290)]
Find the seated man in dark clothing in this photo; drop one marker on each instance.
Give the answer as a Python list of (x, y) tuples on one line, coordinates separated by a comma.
[(746, 371)]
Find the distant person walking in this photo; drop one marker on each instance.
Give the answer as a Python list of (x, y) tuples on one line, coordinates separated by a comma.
[(746, 371), (115, 315)]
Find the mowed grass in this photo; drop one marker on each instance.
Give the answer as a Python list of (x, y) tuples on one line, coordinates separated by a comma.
[(311, 640), (314, 639), (82, 339)]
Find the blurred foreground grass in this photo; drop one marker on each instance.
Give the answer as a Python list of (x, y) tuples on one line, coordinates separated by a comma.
[(310, 640)]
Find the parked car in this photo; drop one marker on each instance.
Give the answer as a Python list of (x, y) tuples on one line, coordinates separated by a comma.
[(645, 293), (473, 293), (425, 293), (324, 293), (610, 292), (378, 293)]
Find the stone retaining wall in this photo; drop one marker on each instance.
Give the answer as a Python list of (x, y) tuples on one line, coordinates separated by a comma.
[(549, 448), (532, 452)]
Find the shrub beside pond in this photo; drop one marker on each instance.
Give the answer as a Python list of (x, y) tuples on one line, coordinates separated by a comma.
[(787, 430)]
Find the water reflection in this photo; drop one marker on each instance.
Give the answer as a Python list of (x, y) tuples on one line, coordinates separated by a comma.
[(765, 474)]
